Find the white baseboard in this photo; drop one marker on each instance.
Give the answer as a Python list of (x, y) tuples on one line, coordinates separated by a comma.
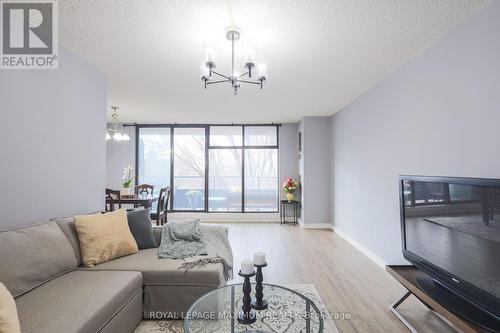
[(327, 226), (372, 256)]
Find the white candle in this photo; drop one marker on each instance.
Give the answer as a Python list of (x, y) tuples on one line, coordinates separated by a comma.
[(259, 258), (210, 55), (247, 266), (262, 70), (205, 71), (250, 56)]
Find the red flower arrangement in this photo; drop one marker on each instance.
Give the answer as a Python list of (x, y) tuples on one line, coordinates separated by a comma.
[(290, 185)]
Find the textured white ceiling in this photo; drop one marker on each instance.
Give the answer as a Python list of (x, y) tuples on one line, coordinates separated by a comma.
[(321, 54)]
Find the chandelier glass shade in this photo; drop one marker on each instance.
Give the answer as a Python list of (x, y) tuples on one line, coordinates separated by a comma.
[(210, 76), (113, 132)]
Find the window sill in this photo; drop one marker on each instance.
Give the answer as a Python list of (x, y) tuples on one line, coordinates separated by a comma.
[(227, 217)]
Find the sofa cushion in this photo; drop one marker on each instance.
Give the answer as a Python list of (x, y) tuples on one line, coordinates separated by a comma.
[(67, 225), (9, 323), (164, 271), (32, 255), (157, 233), (168, 302), (141, 228), (77, 302), (104, 237)]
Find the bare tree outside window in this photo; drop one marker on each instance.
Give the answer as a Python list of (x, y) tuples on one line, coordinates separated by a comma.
[(154, 157), (189, 169)]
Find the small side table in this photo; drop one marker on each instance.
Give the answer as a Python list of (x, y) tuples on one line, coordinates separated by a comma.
[(295, 206)]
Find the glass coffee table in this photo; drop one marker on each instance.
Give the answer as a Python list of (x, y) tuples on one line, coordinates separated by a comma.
[(288, 311)]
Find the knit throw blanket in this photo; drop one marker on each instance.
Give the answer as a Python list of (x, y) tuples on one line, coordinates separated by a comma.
[(198, 245)]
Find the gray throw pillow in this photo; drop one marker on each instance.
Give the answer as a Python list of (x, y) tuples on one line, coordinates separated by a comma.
[(141, 228)]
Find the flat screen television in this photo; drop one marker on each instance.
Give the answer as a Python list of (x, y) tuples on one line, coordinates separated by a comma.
[(451, 231)]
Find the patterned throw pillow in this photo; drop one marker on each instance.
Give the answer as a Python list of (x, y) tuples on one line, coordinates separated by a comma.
[(104, 237), (9, 323)]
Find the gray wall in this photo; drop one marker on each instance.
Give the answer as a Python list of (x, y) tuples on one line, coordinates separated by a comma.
[(53, 151), (314, 168), (118, 156), (439, 114), (288, 155)]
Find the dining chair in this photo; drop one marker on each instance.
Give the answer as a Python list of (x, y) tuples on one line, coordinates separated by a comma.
[(114, 197), (143, 189), (161, 209)]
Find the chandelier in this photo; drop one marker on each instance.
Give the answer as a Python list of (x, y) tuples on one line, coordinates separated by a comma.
[(235, 79), (113, 132)]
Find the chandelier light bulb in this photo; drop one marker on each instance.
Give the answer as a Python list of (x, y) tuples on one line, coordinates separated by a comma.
[(262, 70), (117, 136), (210, 55), (125, 137), (205, 72), (250, 56), (108, 137)]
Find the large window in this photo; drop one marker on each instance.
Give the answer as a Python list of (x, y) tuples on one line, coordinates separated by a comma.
[(212, 168), (259, 136), (224, 182), (189, 169), (261, 176), (153, 157)]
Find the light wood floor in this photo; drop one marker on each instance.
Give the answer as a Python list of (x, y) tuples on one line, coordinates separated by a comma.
[(347, 280)]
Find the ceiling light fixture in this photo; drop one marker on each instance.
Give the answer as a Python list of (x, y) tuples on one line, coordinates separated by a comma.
[(113, 132), (233, 34)]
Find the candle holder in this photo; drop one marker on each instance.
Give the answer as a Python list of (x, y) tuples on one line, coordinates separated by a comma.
[(259, 303), (247, 315)]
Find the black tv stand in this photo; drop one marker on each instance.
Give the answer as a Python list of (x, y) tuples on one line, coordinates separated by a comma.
[(408, 277), (457, 304)]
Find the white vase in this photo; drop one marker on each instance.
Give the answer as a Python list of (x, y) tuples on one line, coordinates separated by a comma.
[(125, 191)]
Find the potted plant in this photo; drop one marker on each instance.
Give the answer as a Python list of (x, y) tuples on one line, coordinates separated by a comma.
[(127, 181), (289, 187)]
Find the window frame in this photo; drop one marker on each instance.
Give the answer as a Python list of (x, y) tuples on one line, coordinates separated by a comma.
[(208, 146)]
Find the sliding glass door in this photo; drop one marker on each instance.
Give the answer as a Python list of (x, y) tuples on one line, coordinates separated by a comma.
[(220, 168), (154, 157), (189, 169), (225, 169), (224, 182), (261, 177)]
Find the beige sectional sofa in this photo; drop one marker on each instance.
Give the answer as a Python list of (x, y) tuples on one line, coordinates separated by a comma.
[(41, 266)]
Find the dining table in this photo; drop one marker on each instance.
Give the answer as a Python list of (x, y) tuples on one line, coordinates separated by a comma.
[(144, 200)]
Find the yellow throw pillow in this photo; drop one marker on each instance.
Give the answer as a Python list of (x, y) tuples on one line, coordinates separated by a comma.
[(104, 237), (9, 323)]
